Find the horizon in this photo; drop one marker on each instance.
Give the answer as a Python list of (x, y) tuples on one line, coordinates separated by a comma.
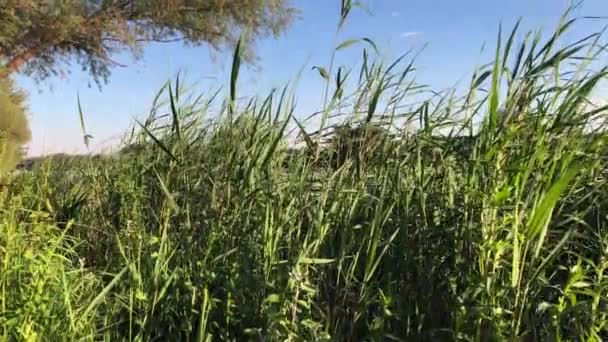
[(456, 33)]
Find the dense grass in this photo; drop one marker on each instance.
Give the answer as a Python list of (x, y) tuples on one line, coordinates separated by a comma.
[(478, 216)]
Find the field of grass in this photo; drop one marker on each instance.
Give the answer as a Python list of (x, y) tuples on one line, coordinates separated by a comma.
[(474, 216)]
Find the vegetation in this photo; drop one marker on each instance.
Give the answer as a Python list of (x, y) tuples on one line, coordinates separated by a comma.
[(14, 128), (37, 36), (40, 34), (477, 217)]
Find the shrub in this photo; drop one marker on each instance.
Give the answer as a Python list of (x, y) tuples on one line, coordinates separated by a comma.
[(14, 128), (363, 144)]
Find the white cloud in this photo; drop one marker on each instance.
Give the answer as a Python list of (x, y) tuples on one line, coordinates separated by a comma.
[(410, 34)]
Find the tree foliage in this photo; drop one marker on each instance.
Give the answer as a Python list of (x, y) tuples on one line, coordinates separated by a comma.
[(361, 143), (38, 36), (14, 128)]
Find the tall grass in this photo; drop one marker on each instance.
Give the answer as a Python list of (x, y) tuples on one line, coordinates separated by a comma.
[(476, 216)]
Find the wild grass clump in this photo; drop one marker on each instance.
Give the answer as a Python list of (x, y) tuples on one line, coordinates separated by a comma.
[(43, 286), (475, 216)]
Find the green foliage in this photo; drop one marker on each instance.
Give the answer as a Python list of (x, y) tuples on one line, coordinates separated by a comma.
[(14, 128), (40, 34), (222, 230), (362, 144), (42, 284)]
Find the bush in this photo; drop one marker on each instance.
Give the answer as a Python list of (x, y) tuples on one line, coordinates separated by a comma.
[(14, 128), (362, 144)]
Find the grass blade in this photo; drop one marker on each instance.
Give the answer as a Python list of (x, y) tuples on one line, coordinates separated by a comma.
[(234, 74), (101, 296)]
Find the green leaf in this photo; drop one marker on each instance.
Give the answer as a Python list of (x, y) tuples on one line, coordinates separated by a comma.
[(580, 284), (166, 191), (100, 297), (157, 141), (481, 78), (558, 32), (273, 299), (175, 113), (316, 261), (494, 92), (519, 58), (279, 135), (371, 109), (306, 136), (551, 255), (234, 75), (345, 8), (509, 44), (501, 195), (322, 71), (556, 59), (364, 68), (539, 222), (85, 135), (347, 43), (177, 84), (350, 42), (372, 44)]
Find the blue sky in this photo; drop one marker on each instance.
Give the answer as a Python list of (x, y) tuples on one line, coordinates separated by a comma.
[(454, 31)]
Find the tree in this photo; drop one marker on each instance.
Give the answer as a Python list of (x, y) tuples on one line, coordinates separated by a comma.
[(37, 36), (14, 129)]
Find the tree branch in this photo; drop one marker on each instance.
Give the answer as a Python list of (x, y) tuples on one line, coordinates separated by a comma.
[(17, 62), (144, 40), (22, 58)]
